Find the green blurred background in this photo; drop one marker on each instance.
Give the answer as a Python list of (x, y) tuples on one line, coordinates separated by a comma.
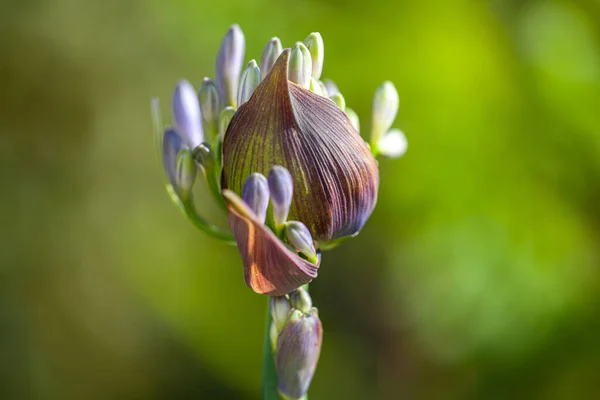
[(476, 277)]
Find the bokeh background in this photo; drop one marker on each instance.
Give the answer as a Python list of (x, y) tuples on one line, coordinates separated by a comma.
[(476, 277)]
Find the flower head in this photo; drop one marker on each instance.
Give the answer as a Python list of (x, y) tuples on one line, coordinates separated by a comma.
[(334, 173), (279, 120)]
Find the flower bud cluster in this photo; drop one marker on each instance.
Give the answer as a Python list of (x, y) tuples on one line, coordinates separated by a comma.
[(296, 337)]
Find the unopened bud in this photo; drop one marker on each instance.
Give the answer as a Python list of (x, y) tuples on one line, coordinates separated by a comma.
[(301, 300), (331, 87), (248, 83), (256, 194), (185, 172), (339, 101), (314, 43), (281, 188), (186, 113), (229, 65), (385, 108), (171, 144), (204, 155), (297, 354), (317, 87), (353, 117), (269, 55), (393, 144), (208, 96), (300, 238), (300, 65), (280, 310), (224, 120)]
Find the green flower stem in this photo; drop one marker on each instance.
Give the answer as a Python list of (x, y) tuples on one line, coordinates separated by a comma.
[(190, 212), (269, 380)]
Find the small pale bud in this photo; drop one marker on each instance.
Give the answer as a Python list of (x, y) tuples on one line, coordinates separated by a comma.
[(314, 43), (208, 96), (300, 66), (300, 238), (204, 155), (171, 144), (339, 101), (185, 172), (256, 194), (281, 188), (280, 310), (269, 55), (297, 354), (385, 108), (317, 87), (301, 300), (331, 87), (224, 120), (393, 144), (248, 83), (229, 65), (353, 117), (186, 113)]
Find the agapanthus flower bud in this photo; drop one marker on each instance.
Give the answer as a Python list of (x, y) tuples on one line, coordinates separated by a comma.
[(314, 43), (339, 101), (281, 187), (185, 173), (335, 175), (270, 266), (300, 65), (353, 117), (171, 145), (297, 354), (393, 144), (316, 86), (248, 82), (280, 308), (208, 96), (269, 55), (204, 155), (224, 120), (331, 87), (229, 65), (256, 195), (385, 108), (300, 238), (186, 114), (300, 300)]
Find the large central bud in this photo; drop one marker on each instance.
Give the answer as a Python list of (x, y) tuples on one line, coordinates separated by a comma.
[(335, 175)]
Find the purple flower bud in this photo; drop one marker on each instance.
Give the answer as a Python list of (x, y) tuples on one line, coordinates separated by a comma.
[(301, 239), (171, 145), (256, 194), (229, 65), (186, 114), (281, 187), (297, 354), (269, 55)]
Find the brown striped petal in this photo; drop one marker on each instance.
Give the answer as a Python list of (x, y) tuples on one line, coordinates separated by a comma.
[(270, 267), (335, 175)]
